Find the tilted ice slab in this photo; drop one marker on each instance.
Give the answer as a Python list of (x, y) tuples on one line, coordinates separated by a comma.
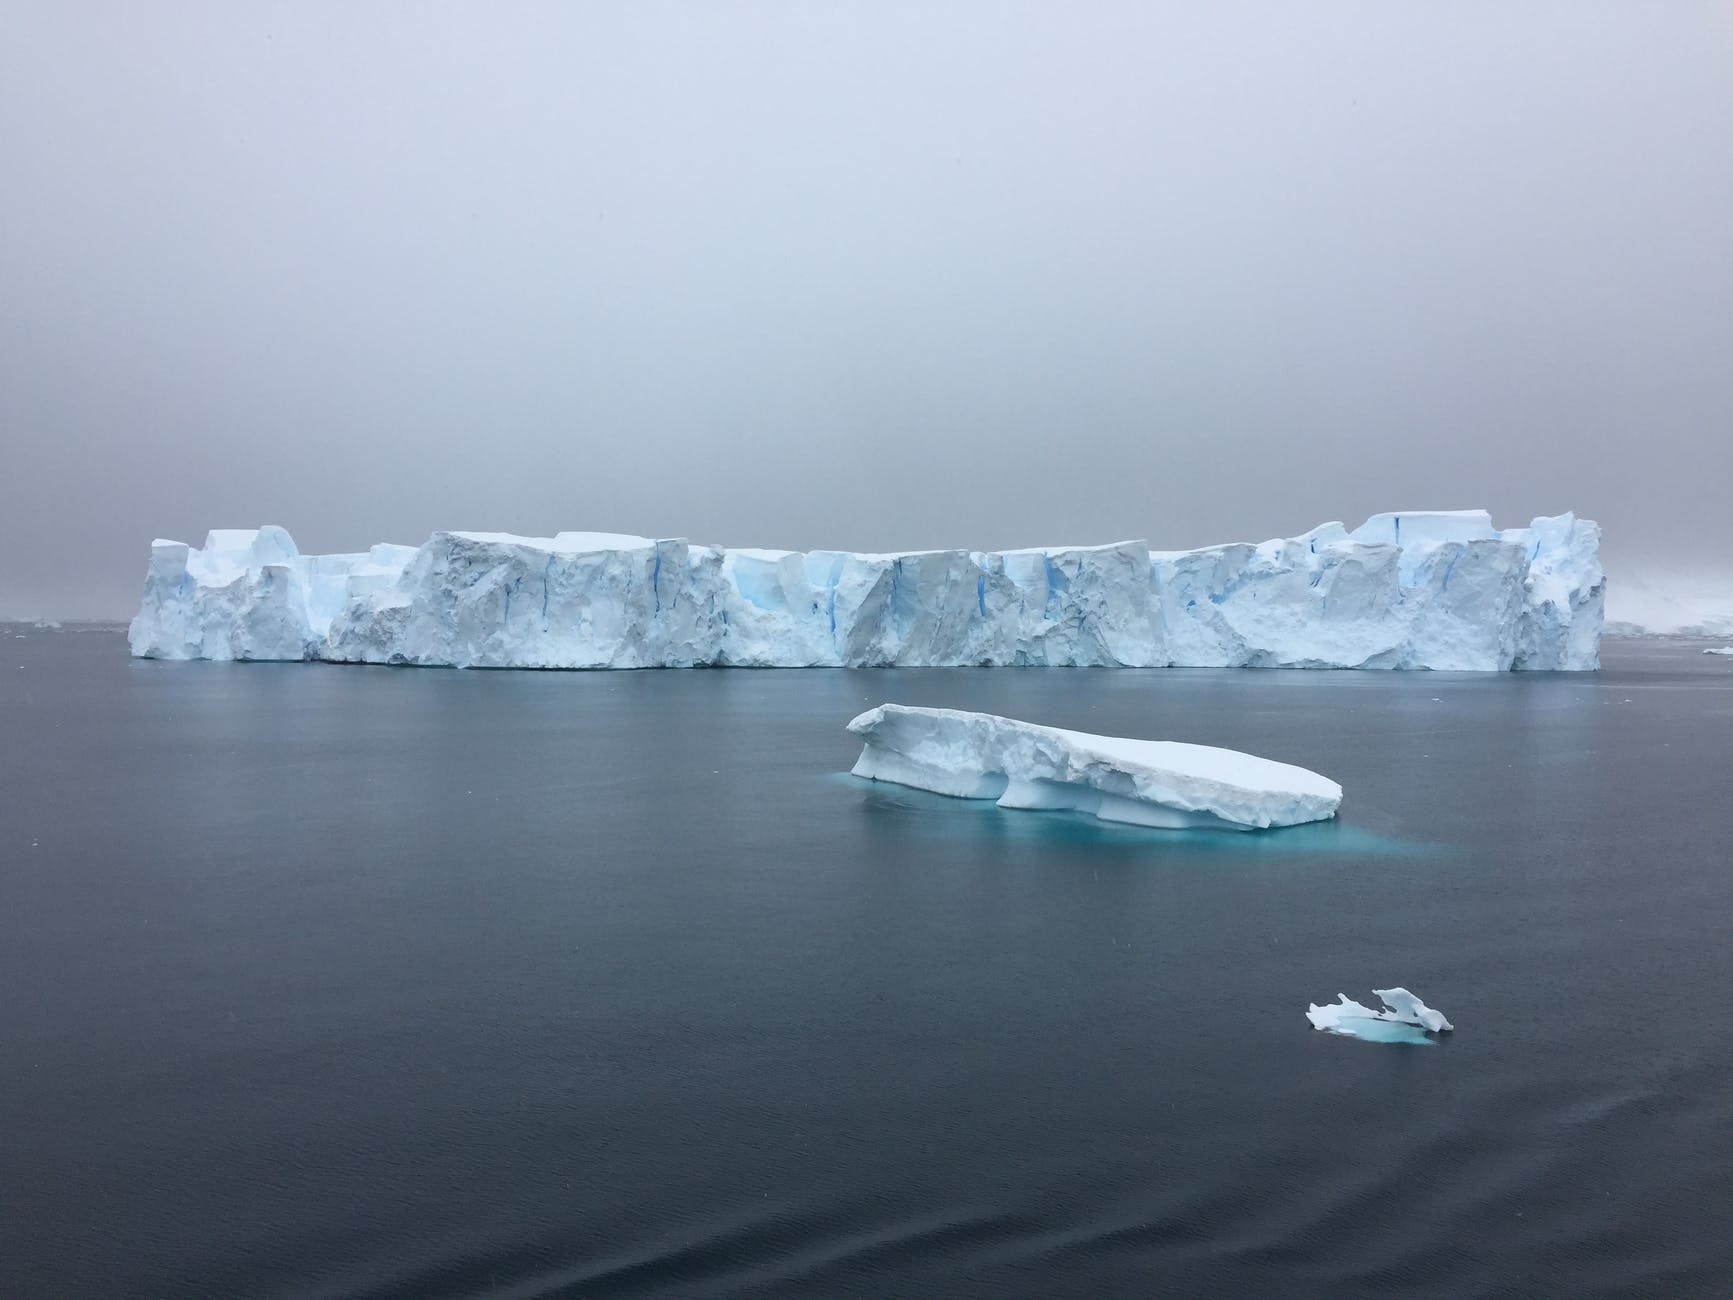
[(1425, 589), (1406, 1018), (1144, 782)]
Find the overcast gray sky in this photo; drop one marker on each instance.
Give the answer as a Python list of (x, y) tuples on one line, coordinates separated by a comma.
[(868, 276)]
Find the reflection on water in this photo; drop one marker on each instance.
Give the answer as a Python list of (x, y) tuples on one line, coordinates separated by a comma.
[(923, 813)]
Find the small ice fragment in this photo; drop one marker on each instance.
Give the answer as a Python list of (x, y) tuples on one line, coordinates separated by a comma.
[(1355, 1020), (1411, 1009), (1719, 650), (1330, 1017)]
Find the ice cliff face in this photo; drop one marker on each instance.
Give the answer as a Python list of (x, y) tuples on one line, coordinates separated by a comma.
[(574, 600), (1411, 590)]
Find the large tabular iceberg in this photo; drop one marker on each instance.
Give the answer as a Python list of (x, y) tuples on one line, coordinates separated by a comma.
[(1427, 589), (1161, 783)]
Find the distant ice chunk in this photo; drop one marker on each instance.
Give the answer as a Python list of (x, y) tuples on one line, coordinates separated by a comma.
[(1406, 1019), (1719, 650), (1160, 783), (1671, 604)]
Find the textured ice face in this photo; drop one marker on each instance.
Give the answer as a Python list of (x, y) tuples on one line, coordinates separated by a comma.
[(1017, 764), (1428, 589), (243, 596)]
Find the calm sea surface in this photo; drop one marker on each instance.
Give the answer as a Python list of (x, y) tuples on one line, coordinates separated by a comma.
[(326, 981)]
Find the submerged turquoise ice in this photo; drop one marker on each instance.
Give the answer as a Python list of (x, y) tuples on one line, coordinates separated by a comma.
[(1388, 1031), (920, 815)]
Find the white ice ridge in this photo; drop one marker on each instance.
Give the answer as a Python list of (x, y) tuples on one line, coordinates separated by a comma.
[(1403, 1011), (1419, 589), (1144, 782), (1719, 650)]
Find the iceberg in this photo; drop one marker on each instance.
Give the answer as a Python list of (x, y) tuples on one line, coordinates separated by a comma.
[(1161, 783), (1406, 1019), (1670, 604), (1416, 589), (1719, 650)]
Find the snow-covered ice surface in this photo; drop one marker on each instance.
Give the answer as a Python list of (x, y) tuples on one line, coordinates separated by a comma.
[(1418, 589), (1160, 783), (1670, 604), (1719, 650), (1405, 1019)]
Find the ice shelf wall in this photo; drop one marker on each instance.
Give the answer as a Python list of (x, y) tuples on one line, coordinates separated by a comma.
[(1417, 589)]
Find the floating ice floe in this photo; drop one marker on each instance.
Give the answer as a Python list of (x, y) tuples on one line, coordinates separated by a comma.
[(1161, 783), (1719, 650), (1405, 1019)]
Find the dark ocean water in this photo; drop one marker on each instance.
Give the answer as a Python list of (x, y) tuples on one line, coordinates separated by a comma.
[(336, 981)]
